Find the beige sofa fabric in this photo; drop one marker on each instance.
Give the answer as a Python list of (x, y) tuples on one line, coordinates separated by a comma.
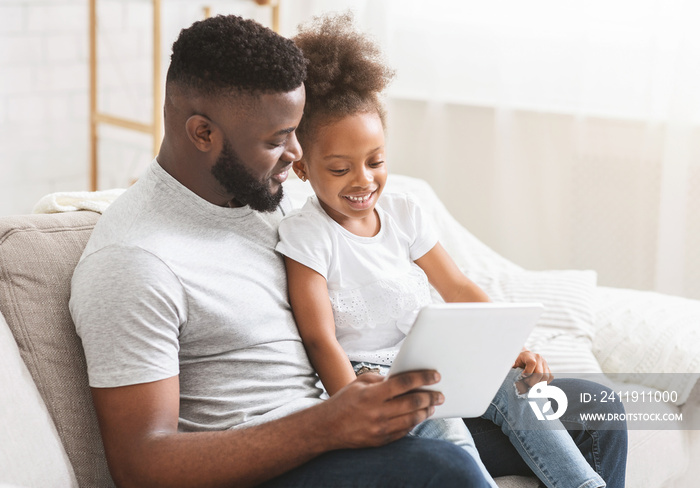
[(31, 454), (37, 256)]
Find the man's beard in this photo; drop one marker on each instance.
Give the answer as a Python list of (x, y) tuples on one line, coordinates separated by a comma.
[(230, 172)]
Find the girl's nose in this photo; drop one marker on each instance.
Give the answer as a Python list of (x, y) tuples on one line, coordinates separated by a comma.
[(364, 177)]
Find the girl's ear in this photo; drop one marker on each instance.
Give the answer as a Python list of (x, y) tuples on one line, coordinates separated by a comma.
[(300, 169)]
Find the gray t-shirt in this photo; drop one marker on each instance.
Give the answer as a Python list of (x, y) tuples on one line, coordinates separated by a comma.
[(171, 284)]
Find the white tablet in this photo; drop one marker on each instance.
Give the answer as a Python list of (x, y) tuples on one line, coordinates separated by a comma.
[(471, 345)]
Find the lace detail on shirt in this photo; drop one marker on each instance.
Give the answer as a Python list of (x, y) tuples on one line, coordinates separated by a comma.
[(391, 302)]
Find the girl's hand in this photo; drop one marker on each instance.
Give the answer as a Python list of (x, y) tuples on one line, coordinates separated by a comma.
[(535, 369)]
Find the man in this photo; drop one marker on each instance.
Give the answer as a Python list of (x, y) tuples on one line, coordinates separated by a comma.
[(198, 374)]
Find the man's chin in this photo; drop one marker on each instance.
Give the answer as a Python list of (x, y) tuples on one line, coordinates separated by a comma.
[(275, 187), (268, 202)]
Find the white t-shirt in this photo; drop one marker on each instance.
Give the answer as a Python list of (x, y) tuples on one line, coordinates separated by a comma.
[(374, 286)]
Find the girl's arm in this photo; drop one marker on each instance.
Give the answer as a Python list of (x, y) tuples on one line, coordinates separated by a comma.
[(448, 280), (308, 295)]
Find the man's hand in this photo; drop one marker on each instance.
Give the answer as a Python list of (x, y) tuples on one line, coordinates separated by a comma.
[(535, 369), (373, 411)]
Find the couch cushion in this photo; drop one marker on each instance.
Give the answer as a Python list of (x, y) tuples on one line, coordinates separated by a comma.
[(37, 256), (649, 339), (564, 332), (656, 457), (517, 482), (31, 453), (566, 294)]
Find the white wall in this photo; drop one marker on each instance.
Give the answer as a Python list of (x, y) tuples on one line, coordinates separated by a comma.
[(44, 87), (43, 103)]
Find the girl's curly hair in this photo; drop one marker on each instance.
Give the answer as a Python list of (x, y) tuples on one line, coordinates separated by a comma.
[(345, 72)]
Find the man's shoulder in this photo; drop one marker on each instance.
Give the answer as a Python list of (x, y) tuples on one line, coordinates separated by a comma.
[(122, 263), (114, 230), (140, 218)]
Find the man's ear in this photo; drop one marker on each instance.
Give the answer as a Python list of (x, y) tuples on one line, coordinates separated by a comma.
[(201, 132), (299, 168)]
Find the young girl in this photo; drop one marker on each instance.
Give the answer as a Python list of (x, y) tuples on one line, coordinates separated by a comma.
[(360, 266)]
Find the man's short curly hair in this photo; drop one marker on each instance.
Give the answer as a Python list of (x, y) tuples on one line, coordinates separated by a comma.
[(227, 53), (345, 74)]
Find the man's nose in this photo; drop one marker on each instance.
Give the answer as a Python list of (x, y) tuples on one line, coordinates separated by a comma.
[(294, 151)]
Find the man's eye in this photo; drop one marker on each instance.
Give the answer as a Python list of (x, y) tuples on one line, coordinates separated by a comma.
[(277, 144)]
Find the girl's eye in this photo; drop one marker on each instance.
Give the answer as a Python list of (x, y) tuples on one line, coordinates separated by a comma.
[(338, 171), (376, 164)]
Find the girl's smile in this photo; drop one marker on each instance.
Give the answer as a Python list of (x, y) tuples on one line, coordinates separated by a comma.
[(361, 202)]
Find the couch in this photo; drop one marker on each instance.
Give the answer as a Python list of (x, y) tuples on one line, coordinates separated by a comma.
[(48, 430)]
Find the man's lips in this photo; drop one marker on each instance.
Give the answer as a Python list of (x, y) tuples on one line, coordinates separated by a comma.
[(281, 177), (282, 174)]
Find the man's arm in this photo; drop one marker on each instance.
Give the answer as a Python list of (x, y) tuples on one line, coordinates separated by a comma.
[(144, 448)]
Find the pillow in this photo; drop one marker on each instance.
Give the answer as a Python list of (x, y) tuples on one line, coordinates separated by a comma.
[(37, 256), (564, 332), (567, 355), (648, 338), (31, 452)]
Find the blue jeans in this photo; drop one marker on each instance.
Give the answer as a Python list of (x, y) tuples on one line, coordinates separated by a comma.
[(544, 445), (603, 444), (409, 462), (455, 432)]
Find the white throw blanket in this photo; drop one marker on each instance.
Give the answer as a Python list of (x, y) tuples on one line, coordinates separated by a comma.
[(96, 201)]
